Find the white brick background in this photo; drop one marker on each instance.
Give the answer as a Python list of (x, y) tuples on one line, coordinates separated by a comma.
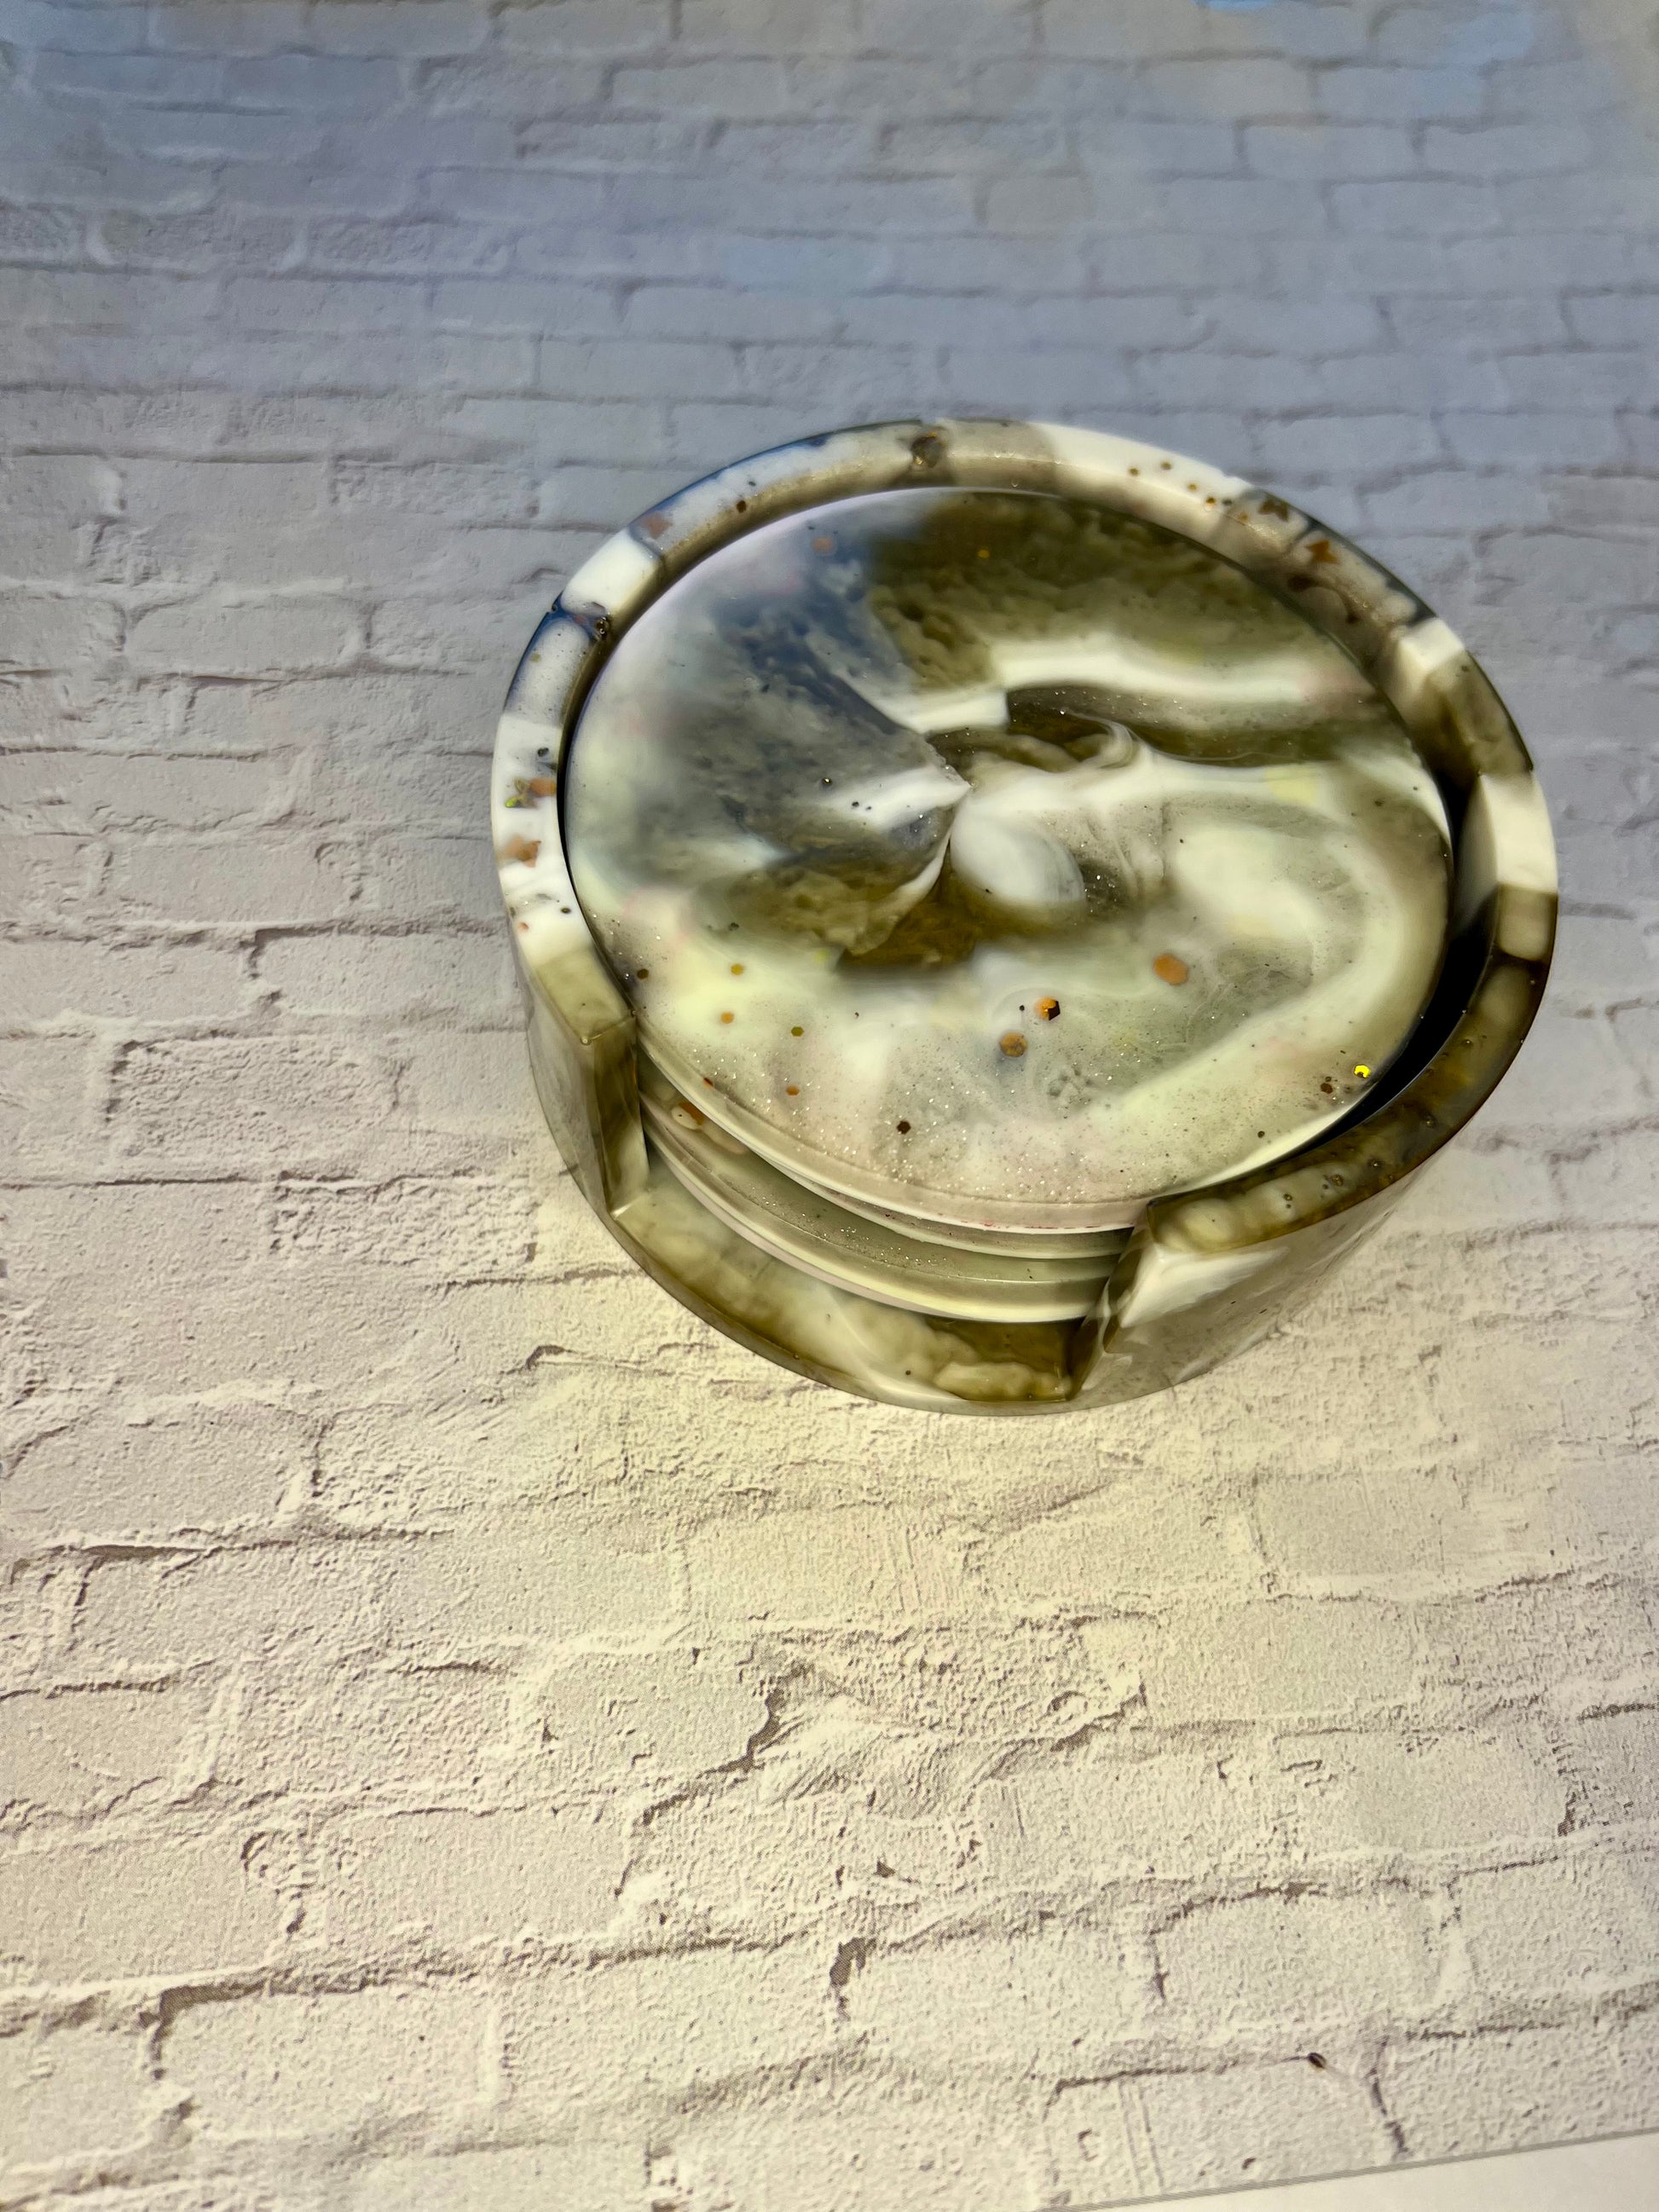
[(472, 1737)]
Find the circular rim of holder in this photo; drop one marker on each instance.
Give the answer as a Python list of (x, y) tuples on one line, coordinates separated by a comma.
[(1502, 927)]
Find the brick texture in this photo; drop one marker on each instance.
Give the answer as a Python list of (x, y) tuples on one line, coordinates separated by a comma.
[(470, 1736)]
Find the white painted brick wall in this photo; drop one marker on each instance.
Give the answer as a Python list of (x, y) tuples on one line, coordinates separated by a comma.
[(469, 1736)]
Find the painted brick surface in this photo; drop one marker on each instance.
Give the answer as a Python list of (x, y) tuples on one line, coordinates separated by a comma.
[(472, 1737)]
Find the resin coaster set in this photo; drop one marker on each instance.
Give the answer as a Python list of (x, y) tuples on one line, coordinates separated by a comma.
[(1002, 908)]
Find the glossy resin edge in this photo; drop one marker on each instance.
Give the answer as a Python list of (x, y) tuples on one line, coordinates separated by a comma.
[(1207, 1272)]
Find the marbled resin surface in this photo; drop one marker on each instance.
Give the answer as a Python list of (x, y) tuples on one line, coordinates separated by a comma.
[(1019, 946), (997, 858)]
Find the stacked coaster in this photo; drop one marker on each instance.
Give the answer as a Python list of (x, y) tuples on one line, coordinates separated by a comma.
[(980, 865)]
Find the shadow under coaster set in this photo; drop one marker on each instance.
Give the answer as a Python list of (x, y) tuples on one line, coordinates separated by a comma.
[(1002, 908)]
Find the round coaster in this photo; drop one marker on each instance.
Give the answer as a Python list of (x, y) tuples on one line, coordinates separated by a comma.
[(999, 861)]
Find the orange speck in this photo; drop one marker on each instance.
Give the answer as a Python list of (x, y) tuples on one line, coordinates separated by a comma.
[(1172, 967), (791, 1089), (544, 786), (1013, 1044), (728, 1017), (823, 544), (524, 925), (520, 849), (737, 967), (1050, 1009)]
